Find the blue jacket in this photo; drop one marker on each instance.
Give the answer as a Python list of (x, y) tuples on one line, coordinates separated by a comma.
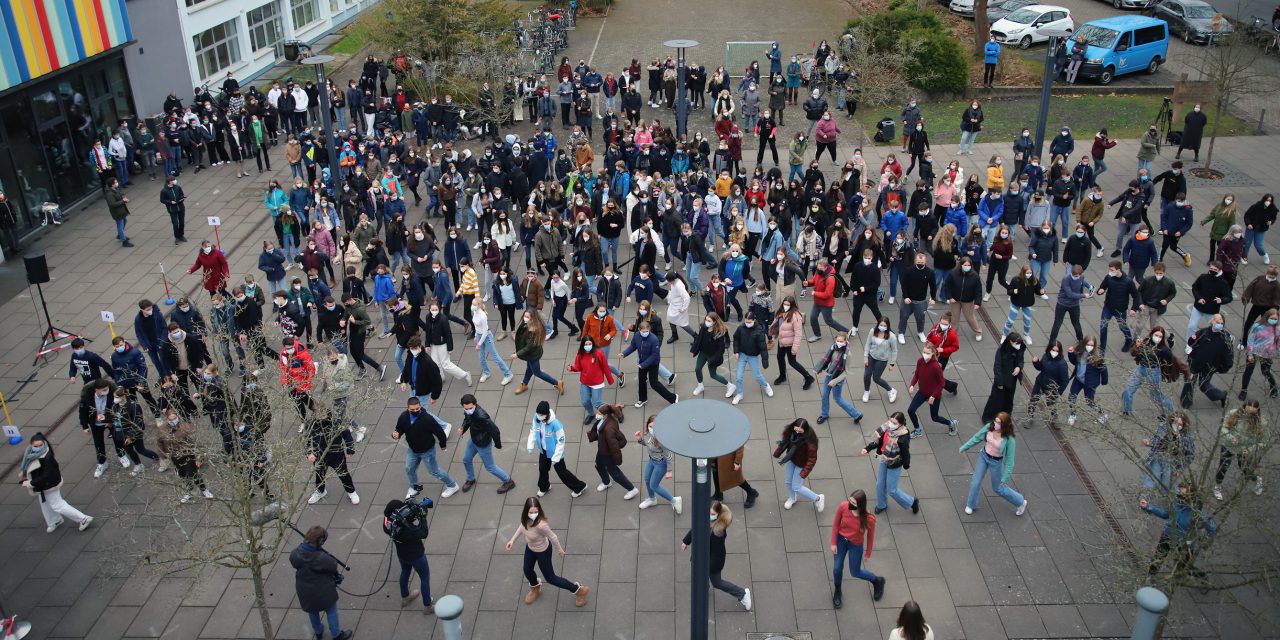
[(319, 290), (299, 202), (152, 332), (991, 53), (773, 240), (1035, 176), (992, 209), (384, 287), (1184, 516), (443, 290), (1175, 219), (273, 200), (1062, 145), (1140, 254), (455, 249), (1071, 291), (620, 186), (957, 216), (130, 368), (649, 349), (272, 264), (547, 437), (1094, 376), (893, 221), (641, 289)]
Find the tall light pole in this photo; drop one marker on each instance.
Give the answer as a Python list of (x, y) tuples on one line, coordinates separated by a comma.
[(326, 123), (682, 92), (701, 430), (1046, 88)]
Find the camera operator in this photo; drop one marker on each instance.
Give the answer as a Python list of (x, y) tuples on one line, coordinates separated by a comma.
[(406, 524), (317, 581)]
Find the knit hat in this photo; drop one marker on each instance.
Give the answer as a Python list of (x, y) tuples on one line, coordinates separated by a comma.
[(543, 409)]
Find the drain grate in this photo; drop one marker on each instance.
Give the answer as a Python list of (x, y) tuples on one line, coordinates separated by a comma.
[(779, 635), (1232, 177)]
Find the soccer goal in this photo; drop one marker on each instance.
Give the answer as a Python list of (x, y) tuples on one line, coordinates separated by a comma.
[(738, 55)]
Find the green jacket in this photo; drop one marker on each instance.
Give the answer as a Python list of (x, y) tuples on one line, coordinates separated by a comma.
[(1222, 216), (116, 205), (796, 155), (1240, 438), (362, 235), (359, 315), (1148, 147), (1008, 450), (146, 142)]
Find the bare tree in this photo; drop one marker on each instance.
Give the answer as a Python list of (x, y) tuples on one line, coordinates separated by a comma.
[(1230, 66)]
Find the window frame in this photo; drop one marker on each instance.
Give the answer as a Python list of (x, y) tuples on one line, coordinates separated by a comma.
[(268, 25), (228, 43)]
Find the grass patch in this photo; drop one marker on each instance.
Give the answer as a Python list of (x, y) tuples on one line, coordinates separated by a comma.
[(354, 38), (1123, 116)]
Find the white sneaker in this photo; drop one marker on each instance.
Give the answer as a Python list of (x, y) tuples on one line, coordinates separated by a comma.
[(99, 470), (768, 391), (853, 331), (1099, 254), (893, 395), (677, 505), (53, 527), (84, 524), (412, 492), (1259, 488), (468, 379), (208, 495), (1022, 508), (360, 433), (447, 428), (631, 494), (789, 503), (1217, 492), (737, 398), (922, 337), (602, 486), (448, 491), (986, 297), (1026, 340), (1266, 258), (1071, 419), (730, 389), (647, 502), (640, 403), (866, 395), (820, 503), (317, 496), (697, 391), (506, 380), (354, 497), (978, 338), (125, 462), (902, 338), (1044, 296), (968, 511), (137, 468), (164, 466), (746, 599), (484, 377), (891, 299), (186, 497), (1188, 350)]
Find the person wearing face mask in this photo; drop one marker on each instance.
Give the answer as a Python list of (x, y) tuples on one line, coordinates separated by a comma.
[(1154, 293), (926, 386), (919, 287), (97, 418), (41, 475), (297, 373), (1171, 449), (1209, 351), (788, 327), (1223, 217), (183, 354), (834, 364), (1052, 379), (87, 365), (1071, 291), (1082, 179), (999, 445), (212, 393), (1261, 294), (423, 434), (1006, 373), (1189, 525), (892, 446), (647, 347), (1139, 252), (750, 348), (538, 538), (189, 318), (129, 370), (1090, 373), (1120, 300), (1148, 148), (529, 339), (1088, 212), (1240, 439), (1231, 254), (853, 530), (964, 290), (215, 268), (326, 450), (1156, 364), (656, 462), (1257, 220), (1210, 291), (1192, 132), (178, 442)]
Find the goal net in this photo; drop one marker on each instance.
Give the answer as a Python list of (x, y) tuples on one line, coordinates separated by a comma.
[(739, 55)]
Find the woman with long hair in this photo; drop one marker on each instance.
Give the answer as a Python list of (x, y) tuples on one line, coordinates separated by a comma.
[(879, 353), (1006, 373), (530, 336), (911, 624), (853, 534), (1052, 380), (1262, 347), (538, 538), (1090, 373), (609, 441), (656, 462), (506, 294), (678, 301), (1023, 290), (645, 314), (1153, 356), (798, 451), (996, 457), (1242, 433), (788, 328), (892, 445), (721, 517), (926, 387), (486, 349), (592, 366), (709, 348), (945, 252)]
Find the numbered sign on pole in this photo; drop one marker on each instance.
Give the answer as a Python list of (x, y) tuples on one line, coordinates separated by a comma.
[(214, 221), (108, 316)]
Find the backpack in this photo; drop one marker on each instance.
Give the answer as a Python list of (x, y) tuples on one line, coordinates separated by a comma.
[(837, 291)]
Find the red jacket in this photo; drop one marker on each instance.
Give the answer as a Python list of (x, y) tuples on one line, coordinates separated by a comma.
[(849, 526), (1099, 149), (824, 289), (592, 367), (297, 371), (928, 377), (215, 269), (946, 343)]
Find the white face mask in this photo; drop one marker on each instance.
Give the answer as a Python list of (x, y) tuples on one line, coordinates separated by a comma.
[(1088, 348), (1054, 353), (926, 356), (1156, 339)]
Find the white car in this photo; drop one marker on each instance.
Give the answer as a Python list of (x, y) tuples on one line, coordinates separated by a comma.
[(1032, 24), (962, 7)]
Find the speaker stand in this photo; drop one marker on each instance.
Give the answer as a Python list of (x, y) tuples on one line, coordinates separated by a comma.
[(49, 342)]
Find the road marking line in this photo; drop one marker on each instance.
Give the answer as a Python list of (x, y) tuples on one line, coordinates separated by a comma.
[(591, 58)]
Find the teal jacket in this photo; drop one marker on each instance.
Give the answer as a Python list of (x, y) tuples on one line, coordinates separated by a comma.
[(1008, 450), (274, 199)]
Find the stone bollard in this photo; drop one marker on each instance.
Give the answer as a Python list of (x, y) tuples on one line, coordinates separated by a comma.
[(448, 610), (1152, 604)]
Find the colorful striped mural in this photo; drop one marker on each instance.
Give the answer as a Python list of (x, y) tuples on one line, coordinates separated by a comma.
[(41, 36)]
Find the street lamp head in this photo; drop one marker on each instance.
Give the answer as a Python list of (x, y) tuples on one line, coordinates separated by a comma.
[(680, 44), (702, 428)]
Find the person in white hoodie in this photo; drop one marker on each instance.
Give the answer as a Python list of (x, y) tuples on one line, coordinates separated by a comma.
[(678, 299), (120, 155), (546, 436)]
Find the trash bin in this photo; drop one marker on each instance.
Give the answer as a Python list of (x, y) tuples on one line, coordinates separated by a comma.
[(292, 50), (884, 130)]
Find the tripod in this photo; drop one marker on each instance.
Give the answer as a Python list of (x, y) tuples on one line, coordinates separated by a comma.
[(52, 335), (1164, 119)]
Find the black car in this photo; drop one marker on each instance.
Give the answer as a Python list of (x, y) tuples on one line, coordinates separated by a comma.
[(1196, 21)]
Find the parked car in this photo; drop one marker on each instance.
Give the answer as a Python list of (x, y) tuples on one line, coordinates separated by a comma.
[(1131, 4), (1195, 20), (962, 7), (997, 10), (1123, 44), (1032, 24)]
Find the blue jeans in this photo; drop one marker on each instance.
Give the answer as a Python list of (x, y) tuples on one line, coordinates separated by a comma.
[(843, 403), (120, 230), (1253, 238), (795, 484), (489, 350), (1099, 167), (1158, 470), (691, 270), (754, 361), (1149, 376), (1122, 318), (289, 247), (968, 138), (1060, 213), (122, 172), (854, 553), (717, 232), (989, 235), (590, 398), (939, 279), (1194, 321), (895, 272), (332, 614), (1014, 312), (424, 577), (412, 459), (400, 351), (654, 470), (1041, 269), (534, 368), (609, 248), (887, 486), (749, 121), (796, 173), (986, 464), (486, 457), (1144, 164)]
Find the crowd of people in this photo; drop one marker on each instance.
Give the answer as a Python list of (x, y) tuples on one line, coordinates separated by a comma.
[(618, 252)]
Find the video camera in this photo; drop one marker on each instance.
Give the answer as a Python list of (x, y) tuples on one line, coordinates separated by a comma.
[(410, 520)]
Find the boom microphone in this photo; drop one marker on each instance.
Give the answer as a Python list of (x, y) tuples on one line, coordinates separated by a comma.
[(265, 515)]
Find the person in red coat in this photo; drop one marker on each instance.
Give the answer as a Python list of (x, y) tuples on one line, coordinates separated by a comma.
[(823, 284), (297, 373), (926, 385), (946, 341), (215, 269), (592, 367)]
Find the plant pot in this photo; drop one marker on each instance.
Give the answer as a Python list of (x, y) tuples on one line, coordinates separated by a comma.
[(1206, 173)]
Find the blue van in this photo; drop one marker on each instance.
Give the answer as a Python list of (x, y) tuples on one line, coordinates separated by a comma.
[(1123, 44)]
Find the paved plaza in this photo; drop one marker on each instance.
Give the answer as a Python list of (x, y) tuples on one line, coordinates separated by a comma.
[(986, 576)]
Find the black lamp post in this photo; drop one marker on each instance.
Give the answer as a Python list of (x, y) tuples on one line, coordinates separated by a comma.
[(701, 430), (326, 123), (682, 92)]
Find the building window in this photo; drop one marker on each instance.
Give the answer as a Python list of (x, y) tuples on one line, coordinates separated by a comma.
[(192, 3), (304, 12), (217, 48), (264, 26)]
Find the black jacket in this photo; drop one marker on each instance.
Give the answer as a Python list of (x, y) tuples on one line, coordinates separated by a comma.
[(314, 580), (1022, 294), (483, 430), (88, 408), (48, 475), (865, 280), (436, 331), (1211, 351), (1119, 293), (918, 285), (717, 549), (1173, 184), (1153, 290), (1207, 287), (428, 381), (408, 541), (1007, 359), (751, 341), (422, 433), (709, 345), (964, 287)]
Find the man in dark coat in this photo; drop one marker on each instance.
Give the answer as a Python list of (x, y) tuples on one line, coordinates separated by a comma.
[(1192, 132), (174, 200), (316, 582), (118, 206)]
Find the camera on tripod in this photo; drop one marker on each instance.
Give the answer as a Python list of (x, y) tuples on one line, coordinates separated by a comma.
[(410, 520)]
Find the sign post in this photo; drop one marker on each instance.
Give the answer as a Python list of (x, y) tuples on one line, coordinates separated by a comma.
[(110, 319), (168, 299), (10, 431), (215, 222)]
